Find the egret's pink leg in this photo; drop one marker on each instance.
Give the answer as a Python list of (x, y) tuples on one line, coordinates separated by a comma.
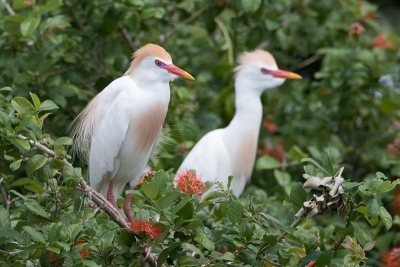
[(110, 195), (127, 205)]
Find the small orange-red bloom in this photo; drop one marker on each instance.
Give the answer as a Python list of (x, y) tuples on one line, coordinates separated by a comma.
[(310, 263), (393, 148), (147, 176), (356, 29), (84, 252), (189, 183), (397, 203), (381, 41), (145, 227), (392, 258)]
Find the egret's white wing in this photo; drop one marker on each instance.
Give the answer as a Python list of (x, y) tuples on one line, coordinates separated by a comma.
[(107, 141)]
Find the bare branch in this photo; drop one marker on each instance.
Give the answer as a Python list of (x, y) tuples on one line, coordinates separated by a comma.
[(95, 196), (307, 62), (8, 7), (127, 36)]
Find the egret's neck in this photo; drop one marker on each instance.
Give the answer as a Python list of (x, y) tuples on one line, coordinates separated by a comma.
[(248, 113), (156, 87)]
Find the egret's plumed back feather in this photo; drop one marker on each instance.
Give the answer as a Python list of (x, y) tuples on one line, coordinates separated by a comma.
[(149, 50), (82, 133), (251, 57)]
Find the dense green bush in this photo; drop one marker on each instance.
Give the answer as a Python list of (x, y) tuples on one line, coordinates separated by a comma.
[(56, 55)]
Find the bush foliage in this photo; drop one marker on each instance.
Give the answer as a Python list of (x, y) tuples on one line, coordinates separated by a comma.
[(56, 55)]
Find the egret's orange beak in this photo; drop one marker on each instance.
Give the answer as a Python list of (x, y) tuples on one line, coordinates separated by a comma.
[(171, 68), (284, 74)]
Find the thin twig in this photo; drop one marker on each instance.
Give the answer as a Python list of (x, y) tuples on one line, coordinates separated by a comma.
[(294, 224), (307, 62), (95, 196), (90, 87), (5, 196), (127, 36), (8, 7), (165, 37)]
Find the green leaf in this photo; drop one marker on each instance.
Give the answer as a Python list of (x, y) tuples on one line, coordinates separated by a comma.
[(71, 175), (235, 210), (363, 211), (150, 189), (227, 256), (311, 256), (266, 162), (386, 186), (35, 163), (271, 218), (230, 178), (190, 247), (324, 259), (15, 165), (296, 154), (373, 204), (327, 164), (48, 105), (202, 239), (56, 21), (35, 99), (38, 237), (386, 217), (251, 5), (22, 105), (7, 88), (248, 257), (166, 201), (63, 141), (34, 207), (316, 165), (380, 175), (24, 143), (54, 232), (153, 12), (50, 6), (56, 250), (29, 25), (90, 263), (4, 218), (361, 232), (297, 196)]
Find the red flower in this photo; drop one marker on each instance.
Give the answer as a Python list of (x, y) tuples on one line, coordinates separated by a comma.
[(356, 29), (392, 258), (28, 2), (381, 41), (397, 203), (147, 176), (53, 258), (393, 148), (269, 125), (274, 151), (189, 183), (310, 264), (145, 227), (84, 252)]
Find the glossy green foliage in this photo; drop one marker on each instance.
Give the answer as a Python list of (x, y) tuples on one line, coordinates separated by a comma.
[(56, 55)]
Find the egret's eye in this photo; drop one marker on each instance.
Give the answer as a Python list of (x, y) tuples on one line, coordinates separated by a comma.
[(158, 62), (265, 71)]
